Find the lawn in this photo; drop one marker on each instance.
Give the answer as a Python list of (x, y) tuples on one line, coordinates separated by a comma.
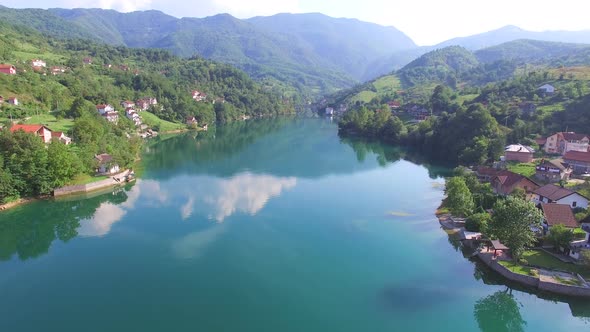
[(517, 268), (542, 259), (152, 120), (85, 179), (363, 96), (526, 169), (51, 122)]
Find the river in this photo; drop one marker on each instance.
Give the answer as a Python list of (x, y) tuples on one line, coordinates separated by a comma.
[(270, 225)]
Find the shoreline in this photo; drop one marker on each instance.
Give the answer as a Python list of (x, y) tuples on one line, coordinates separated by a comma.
[(19, 202), (539, 283)]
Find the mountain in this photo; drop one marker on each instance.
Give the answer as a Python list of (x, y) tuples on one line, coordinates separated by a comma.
[(295, 54), (533, 50), (349, 44), (511, 33)]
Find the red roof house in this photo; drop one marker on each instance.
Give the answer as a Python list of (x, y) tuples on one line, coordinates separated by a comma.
[(505, 182), (578, 161), (37, 129), (558, 214), (7, 69)]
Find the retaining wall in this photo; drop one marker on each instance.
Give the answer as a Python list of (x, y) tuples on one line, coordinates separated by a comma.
[(520, 278), (564, 289), (83, 188)]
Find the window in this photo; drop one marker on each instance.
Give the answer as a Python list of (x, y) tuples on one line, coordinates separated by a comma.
[(574, 204)]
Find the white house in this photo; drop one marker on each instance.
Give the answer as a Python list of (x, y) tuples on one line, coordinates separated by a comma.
[(127, 103), (13, 101), (104, 108), (551, 193), (61, 137), (38, 63), (198, 96), (329, 111), (133, 116), (111, 116), (547, 89), (106, 165)]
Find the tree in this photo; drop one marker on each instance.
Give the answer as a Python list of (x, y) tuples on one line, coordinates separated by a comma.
[(478, 222), (459, 199), (499, 312), (560, 236), (512, 221), (62, 164)]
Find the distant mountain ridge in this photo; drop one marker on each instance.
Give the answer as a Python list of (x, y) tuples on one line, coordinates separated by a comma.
[(297, 54)]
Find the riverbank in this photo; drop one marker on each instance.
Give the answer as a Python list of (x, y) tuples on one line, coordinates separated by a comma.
[(20, 201), (113, 180), (555, 282)]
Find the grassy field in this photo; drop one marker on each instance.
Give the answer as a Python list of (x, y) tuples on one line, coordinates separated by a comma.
[(577, 73), (517, 268), (387, 84), (51, 122), (152, 120), (85, 179), (526, 169), (548, 109), (542, 259), (363, 96), (466, 98)]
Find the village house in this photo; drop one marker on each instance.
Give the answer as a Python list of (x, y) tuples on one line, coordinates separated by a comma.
[(551, 193), (191, 121), (108, 65), (329, 111), (127, 104), (13, 101), (61, 137), (485, 174), (111, 116), (552, 171), (546, 89), (145, 103), (579, 162), (57, 70), (7, 69), (87, 61), (104, 108), (505, 182), (133, 116), (106, 165), (198, 96), (555, 214), (124, 67), (38, 64), (562, 142), (519, 152), (39, 130), (394, 105)]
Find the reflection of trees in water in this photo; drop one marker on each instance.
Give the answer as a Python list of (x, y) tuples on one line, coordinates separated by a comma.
[(29, 232), (499, 312)]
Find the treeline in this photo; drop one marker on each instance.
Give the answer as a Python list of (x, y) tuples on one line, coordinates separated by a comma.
[(467, 136)]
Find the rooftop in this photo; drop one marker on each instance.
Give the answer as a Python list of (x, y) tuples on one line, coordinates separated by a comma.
[(553, 192), (577, 156), (519, 148), (559, 214)]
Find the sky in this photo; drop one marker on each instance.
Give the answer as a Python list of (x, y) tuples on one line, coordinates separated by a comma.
[(427, 22)]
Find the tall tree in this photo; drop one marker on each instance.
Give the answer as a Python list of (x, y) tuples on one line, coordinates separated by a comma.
[(512, 221), (459, 199)]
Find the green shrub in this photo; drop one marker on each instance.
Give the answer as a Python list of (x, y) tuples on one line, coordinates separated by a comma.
[(477, 222)]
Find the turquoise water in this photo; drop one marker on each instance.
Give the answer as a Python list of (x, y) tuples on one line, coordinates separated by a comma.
[(273, 225)]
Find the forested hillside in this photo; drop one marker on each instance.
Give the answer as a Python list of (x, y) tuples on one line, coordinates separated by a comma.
[(77, 75)]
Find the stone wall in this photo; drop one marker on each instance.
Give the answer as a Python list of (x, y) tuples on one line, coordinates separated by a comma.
[(520, 278), (83, 188), (564, 289)]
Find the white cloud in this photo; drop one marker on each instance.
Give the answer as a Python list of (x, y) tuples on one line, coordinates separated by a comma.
[(247, 193), (119, 5), (194, 244), (242, 8), (187, 209)]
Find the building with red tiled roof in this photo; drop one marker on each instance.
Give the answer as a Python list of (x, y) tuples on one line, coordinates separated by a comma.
[(7, 69), (61, 137), (551, 193), (505, 182), (555, 214), (578, 161), (37, 129)]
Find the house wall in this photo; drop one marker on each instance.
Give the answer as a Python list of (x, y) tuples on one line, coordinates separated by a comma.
[(581, 202), (46, 135), (523, 157), (578, 166), (551, 146), (581, 147)]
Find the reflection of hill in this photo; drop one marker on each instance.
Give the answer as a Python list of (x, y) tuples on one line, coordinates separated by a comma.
[(306, 148), (30, 231)]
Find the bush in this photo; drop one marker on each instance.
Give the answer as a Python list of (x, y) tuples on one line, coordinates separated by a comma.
[(477, 222), (523, 261)]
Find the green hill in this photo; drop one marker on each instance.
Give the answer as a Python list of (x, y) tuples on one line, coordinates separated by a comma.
[(441, 66), (530, 50)]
